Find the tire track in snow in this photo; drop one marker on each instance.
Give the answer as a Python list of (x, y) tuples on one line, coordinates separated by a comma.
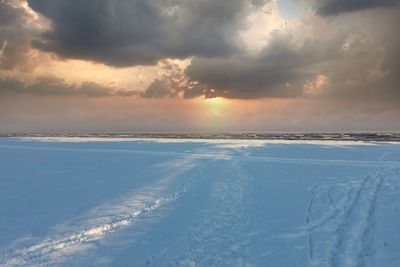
[(353, 231), (340, 221), (80, 236), (355, 239), (340, 235), (220, 235)]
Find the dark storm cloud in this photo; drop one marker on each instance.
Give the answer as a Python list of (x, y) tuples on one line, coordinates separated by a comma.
[(134, 32), (347, 64), (336, 7), (9, 15), (54, 86), (245, 75), (359, 61), (14, 37), (267, 73)]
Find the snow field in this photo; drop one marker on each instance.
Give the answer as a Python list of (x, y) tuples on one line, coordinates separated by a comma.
[(198, 203)]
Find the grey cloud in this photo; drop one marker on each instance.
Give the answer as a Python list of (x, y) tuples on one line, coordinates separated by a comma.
[(133, 32), (50, 86), (160, 89), (357, 66), (54, 86), (10, 15), (94, 90), (139, 32), (126, 92), (14, 37), (336, 7), (243, 75), (259, 3), (10, 85), (171, 83), (267, 73)]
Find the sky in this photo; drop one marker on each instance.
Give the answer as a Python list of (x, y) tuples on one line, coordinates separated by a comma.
[(199, 65)]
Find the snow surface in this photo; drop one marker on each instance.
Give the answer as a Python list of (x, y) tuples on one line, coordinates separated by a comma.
[(153, 202)]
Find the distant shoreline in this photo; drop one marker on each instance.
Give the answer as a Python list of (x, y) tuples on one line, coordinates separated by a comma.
[(367, 136)]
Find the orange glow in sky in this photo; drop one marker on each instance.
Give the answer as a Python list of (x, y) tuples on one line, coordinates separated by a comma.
[(54, 77)]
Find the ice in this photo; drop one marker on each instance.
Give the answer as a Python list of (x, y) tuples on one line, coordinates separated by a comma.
[(183, 202)]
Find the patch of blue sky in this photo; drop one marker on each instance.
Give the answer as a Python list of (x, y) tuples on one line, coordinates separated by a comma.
[(290, 10)]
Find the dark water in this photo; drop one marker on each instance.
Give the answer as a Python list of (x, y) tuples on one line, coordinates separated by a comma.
[(370, 136)]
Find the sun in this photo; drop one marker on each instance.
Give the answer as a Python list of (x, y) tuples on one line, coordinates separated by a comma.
[(212, 100), (215, 101)]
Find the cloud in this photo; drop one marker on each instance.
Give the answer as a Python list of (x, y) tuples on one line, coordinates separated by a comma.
[(266, 74), (172, 82), (17, 28), (314, 88), (54, 86), (312, 58), (10, 85), (140, 32), (359, 63), (238, 49), (336, 7), (92, 89), (50, 86), (9, 15), (14, 40)]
